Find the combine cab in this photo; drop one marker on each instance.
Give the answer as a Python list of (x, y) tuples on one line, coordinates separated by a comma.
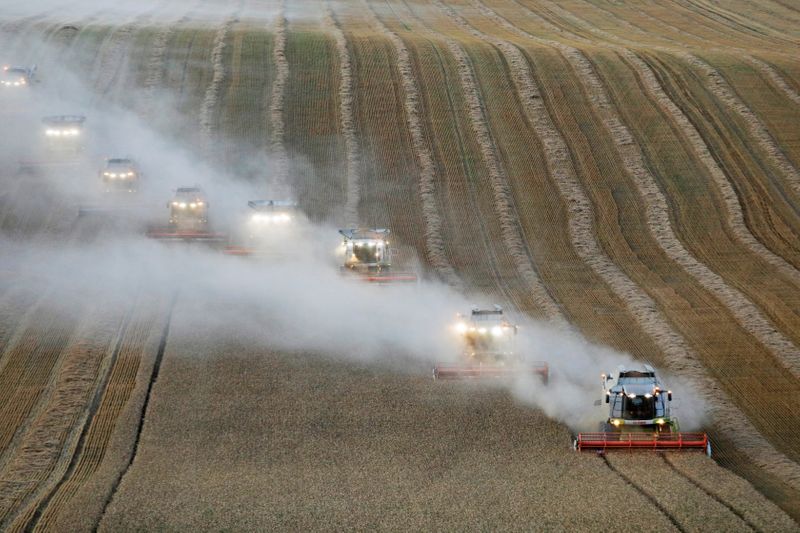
[(269, 226), (63, 142), (488, 349), (640, 417), (188, 218), (120, 175), (119, 178), (367, 254), (15, 77)]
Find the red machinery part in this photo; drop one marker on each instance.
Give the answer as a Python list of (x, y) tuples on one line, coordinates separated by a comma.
[(186, 235), (643, 441), (488, 371), (390, 278)]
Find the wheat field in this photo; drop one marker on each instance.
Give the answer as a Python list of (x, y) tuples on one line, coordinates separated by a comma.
[(627, 171)]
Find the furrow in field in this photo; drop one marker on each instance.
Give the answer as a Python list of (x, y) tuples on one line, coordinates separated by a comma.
[(349, 216), (746, 312), (42, 447), (689, 506), (776, 78), (737, 25), (276, 105), (657, 211), (503, 197), (77, 496), (434, 243)]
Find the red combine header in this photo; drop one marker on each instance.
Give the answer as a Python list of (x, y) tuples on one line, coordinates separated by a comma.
[(488, 349), (639, 417)]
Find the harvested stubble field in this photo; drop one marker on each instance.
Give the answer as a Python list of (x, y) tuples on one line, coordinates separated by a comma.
[(629, 172)]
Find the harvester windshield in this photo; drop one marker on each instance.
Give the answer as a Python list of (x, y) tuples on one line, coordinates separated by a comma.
[(638, 408)]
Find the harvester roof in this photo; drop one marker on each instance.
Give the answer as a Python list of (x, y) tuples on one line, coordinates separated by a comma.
[(271, 205), (378, 234), (64, 120)]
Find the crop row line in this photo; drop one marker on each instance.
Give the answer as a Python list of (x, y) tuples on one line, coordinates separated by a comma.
[(346, 119), (656, 208), (434, 243), (503, 198), (680, 357)]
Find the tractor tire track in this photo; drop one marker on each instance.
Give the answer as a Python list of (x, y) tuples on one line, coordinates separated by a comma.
[(710, 494), (503, 199), (657, 211), (652, 499)]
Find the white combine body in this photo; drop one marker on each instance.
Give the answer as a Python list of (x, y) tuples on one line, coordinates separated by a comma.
[(188, 218), (488, 348), (120, 175), (639, 416), (268, 228), (368, 254)]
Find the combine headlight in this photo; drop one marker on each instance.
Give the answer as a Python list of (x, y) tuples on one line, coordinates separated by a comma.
[(661, 421), (648, 395), (192, 205), (616, 422), (52, 133), (175, 204), (631, 396), (482, 331), (497, 331), (461, 327), (182, 205)]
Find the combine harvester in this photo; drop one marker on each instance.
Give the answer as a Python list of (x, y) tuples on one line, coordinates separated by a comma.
[(15, 77), (119, 181), (489, 349), (63, 143), (269, 228), (368, 256), (188, 219), (639, 417)]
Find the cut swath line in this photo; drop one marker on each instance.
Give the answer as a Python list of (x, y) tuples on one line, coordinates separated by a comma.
[(434, 242), (352, 149), (276, 105), (162, 346), (214, 88), (683, 361)]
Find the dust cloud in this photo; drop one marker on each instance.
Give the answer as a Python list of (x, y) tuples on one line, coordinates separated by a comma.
[(295, 300)]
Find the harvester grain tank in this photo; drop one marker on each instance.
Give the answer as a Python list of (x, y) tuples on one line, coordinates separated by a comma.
[(368, 254), (639, 416), (488, 349), (188, 218)]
